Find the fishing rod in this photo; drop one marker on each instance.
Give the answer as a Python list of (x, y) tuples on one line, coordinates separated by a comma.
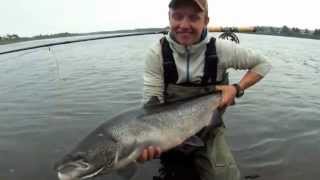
[(228, 32), (80, 40)]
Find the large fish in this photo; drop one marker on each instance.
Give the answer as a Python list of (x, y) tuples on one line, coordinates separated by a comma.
[(118, 142)]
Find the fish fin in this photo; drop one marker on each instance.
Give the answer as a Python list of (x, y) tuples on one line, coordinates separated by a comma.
[(194, 141), (129, 171)]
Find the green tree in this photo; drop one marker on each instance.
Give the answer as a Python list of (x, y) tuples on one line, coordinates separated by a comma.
[(316, 32), (15, 36), (259, 29), (285, 30), (296, 30), (12, 36), (272, 30)]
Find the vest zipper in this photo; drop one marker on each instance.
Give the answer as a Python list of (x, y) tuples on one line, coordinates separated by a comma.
[(188, 64)]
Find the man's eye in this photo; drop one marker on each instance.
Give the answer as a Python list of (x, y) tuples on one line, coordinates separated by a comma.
[(194, 18), (177, 16)]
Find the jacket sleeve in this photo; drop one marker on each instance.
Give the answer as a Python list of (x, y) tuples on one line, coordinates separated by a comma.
[(234, 56), (153, 85)]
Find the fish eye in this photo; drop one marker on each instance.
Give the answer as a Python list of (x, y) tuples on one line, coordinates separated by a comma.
[(109, 163)]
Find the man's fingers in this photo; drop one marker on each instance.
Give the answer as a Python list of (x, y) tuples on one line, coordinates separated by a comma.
[(143, 157), (222, 106), (151, 152), (223, 102), (226, 102), (233, 102), (157, 152)]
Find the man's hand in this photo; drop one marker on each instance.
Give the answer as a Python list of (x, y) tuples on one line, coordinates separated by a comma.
[(149, 153), (228, 95), (229, 91)]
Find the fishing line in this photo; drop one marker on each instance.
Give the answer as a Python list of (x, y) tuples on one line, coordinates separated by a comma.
[(56, 60)]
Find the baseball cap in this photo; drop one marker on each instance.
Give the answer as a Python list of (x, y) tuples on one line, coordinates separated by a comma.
[(202, 4)]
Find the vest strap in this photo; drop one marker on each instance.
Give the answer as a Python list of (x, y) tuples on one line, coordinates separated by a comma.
[(170, 68), (211, 64)]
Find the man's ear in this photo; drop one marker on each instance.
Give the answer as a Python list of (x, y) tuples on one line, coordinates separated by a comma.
[(207, 20)]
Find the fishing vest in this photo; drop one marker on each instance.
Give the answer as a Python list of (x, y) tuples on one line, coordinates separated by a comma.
[(174, 91), (208, 80)]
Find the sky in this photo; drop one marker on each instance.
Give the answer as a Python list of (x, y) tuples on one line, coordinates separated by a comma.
[(34, 17)]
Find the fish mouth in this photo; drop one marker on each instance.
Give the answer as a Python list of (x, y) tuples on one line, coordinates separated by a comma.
[(78, 170)]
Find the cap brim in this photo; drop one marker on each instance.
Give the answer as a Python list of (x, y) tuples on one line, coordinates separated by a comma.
[(199, 5), (173, 3)]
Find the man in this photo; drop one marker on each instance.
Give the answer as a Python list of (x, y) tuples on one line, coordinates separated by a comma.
[(187, 62)]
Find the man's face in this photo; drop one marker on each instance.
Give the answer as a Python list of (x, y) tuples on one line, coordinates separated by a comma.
[(187, 24)]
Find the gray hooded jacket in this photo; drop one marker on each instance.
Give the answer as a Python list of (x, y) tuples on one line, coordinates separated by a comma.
[(190, 63)]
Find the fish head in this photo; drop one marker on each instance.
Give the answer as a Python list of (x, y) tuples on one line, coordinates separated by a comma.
[(95, 155)]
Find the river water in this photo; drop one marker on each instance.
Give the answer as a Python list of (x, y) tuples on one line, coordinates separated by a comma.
[(52, 98)]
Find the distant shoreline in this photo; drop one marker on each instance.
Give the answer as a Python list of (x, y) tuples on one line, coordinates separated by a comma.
[(281, 35), (66, 34), (285, 31), (262, 30)]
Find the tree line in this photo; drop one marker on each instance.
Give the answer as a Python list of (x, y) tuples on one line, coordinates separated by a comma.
[(268, 30), (287, 31), (11, 38)]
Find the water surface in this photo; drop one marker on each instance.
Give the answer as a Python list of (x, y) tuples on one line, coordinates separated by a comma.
[(52, 98)]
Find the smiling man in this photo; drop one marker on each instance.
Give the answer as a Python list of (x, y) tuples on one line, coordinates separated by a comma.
[(187, 21), (188, 62)]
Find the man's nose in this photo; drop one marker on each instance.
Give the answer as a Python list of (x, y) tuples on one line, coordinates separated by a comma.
[(185, 23)]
